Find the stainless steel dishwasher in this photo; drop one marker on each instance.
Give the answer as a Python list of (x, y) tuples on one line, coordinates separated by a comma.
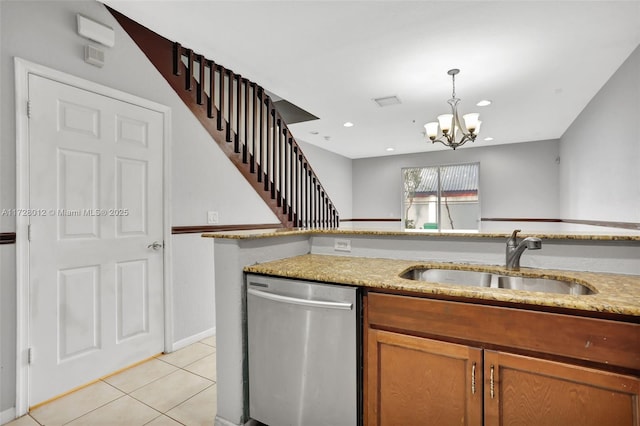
[(303, 347)]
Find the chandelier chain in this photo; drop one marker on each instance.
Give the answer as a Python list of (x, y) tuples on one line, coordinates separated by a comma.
[(453, 93)]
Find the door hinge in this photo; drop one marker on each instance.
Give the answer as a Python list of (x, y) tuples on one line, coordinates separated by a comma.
[(29, 355), (28, 109), (29, 232)]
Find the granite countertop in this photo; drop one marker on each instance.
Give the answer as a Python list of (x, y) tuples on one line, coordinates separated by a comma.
[(283, 232), (614, 293)]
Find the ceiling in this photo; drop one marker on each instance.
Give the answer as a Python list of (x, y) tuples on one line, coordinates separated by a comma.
[(539, 62)]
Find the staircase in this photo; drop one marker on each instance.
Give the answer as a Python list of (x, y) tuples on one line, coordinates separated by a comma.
[(243, 120)]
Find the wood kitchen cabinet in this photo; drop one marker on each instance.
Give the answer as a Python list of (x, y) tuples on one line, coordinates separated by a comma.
[(435, 362), (530, 391), (416, 381)]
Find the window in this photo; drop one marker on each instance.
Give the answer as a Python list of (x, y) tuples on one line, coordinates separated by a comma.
[(441, 197)]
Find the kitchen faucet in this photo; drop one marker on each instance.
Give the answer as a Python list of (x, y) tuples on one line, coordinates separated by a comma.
[(515, 250)]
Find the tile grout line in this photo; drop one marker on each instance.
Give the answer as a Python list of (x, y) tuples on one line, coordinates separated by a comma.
[(213, 383), (161, 415), (199, 375), (158, 357), (188, 399), (148, 383), (92, 410), (124, 393), (183, 369)]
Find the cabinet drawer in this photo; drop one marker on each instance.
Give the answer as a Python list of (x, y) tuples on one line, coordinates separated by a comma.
[(590, 339)]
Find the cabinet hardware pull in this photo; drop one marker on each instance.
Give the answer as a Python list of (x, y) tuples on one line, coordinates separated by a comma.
[(491, 383), (473, 379)]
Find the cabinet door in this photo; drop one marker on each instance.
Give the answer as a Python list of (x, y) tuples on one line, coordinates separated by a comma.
[(525, 391), (417, 381)]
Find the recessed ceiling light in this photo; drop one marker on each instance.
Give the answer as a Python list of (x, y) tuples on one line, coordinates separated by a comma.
[(484, 102), (488, 139), (390, 149), (348, 124)]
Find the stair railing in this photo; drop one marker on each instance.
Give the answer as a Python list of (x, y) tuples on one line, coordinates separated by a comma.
[(251, 123)]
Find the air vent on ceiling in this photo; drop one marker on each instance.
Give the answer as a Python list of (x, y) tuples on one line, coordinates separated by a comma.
[(387, 101)]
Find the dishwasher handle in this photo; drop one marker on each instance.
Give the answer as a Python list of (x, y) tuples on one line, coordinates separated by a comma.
[(302, 302)]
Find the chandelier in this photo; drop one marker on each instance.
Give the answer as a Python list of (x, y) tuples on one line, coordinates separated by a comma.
[(453, 134)]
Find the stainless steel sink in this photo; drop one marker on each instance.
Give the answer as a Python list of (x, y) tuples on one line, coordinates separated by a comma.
[(544, 285), (487, 279), (450, 276)]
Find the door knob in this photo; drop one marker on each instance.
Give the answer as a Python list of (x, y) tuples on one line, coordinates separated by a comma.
[(155, 245)]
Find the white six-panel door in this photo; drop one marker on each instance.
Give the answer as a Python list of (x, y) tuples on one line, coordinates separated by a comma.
[(96, 200)]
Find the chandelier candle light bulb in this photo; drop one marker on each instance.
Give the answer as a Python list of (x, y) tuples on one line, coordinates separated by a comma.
[(450, 124)]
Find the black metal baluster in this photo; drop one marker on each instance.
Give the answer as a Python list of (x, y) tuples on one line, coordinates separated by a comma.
[(177, 59), (220, 120), (211, 101), (200, 86), (236, 139), (189, 75)]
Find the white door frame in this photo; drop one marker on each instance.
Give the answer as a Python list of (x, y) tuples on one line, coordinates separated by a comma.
[(22, 70)]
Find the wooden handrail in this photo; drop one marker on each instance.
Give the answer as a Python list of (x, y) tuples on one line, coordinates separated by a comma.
[(176, 230), (245, 123), (7, 237)]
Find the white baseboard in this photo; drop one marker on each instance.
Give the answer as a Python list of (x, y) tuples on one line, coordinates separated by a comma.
[(193, 339), (7, 415)]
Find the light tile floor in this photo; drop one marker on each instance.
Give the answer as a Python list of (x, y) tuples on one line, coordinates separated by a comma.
[(173, 389)]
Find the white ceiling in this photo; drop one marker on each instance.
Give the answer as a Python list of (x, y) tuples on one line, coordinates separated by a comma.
[(540, 62)]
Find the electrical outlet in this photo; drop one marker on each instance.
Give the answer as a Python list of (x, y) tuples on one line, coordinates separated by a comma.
[(342, 245), (212, 218)]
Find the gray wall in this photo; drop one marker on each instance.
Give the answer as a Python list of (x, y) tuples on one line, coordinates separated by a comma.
[(600, 152), (516, 180), (203, 179), (7, 331), (335, 173), (193, 289)]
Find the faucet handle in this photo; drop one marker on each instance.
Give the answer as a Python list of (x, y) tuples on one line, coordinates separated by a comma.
[(514, 234)]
